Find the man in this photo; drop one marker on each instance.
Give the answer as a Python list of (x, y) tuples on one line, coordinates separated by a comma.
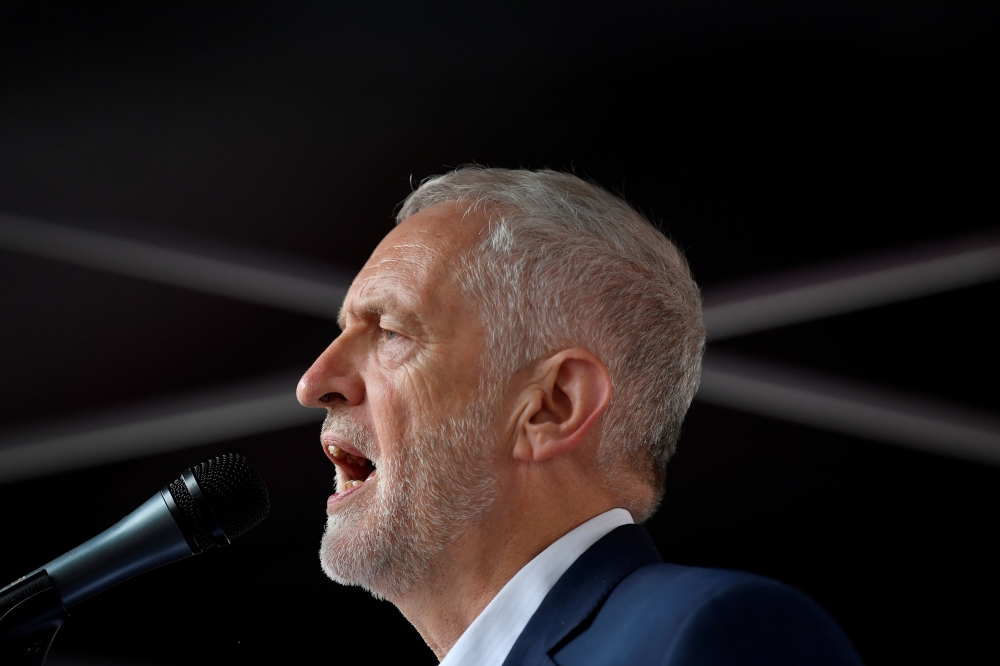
[(515, 362)]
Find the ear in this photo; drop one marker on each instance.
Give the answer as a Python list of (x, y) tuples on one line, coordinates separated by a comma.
[(571, 390)]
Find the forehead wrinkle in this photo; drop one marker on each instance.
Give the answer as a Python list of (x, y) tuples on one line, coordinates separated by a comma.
[(400, 267)]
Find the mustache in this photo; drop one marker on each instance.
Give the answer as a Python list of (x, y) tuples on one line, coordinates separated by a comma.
[(344, 427)]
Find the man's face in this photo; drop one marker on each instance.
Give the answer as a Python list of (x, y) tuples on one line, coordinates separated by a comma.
[(415, 451)]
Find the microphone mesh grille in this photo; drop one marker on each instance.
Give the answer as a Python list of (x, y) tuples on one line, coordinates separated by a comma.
[(235, 491)]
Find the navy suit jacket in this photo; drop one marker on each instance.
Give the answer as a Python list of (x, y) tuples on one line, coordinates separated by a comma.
[(619, 603)]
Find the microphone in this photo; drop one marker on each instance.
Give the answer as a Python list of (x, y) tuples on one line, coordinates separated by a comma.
[(208, 506)]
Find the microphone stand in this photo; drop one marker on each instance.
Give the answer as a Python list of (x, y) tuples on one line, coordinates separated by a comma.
[(31, 613)]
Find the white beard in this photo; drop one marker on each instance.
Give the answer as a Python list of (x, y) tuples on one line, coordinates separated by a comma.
[(437, 483)]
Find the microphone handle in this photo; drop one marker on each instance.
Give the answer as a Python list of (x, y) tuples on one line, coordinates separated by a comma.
[(147, 538), (33, 608)]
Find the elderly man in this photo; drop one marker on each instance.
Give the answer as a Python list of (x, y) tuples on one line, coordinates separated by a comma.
[(515, 363)]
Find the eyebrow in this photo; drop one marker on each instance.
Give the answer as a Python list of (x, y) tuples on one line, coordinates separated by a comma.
[(374, 306)]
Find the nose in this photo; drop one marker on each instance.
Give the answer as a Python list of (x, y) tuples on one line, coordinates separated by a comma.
[(333, 379)]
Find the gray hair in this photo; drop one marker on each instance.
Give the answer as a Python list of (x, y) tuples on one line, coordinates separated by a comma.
[(566, 264)]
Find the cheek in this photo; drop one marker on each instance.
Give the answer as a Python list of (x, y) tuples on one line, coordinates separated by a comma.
[(420, 393), (446, 383), (391, 411)]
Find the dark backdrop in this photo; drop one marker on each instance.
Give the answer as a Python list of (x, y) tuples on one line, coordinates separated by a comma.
[(761, 136)]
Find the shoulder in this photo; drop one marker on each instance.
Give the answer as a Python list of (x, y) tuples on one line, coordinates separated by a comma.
[(669, 614)]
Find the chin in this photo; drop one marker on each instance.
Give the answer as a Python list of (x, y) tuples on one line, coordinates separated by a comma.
[(357, 551)]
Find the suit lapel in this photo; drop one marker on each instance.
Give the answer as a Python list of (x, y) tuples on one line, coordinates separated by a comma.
[(581, 590)]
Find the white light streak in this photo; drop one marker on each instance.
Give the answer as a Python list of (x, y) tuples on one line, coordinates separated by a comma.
[(802, 296), (849, 408), (167, 425), (189, 270)]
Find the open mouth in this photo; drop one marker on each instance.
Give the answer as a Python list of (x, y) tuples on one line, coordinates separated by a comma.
[(354, 468)]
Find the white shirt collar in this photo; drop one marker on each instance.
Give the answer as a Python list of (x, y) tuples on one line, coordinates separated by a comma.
[(491, 635)]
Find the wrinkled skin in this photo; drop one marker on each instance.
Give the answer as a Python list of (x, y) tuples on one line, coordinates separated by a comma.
[(396, 383)]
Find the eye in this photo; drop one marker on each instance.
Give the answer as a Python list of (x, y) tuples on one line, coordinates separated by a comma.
[(393, 347)]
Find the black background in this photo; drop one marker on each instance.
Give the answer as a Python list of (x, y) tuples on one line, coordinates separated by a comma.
[(762, 136)]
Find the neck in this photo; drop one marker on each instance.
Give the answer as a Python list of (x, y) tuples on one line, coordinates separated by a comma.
[(473, 569)]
